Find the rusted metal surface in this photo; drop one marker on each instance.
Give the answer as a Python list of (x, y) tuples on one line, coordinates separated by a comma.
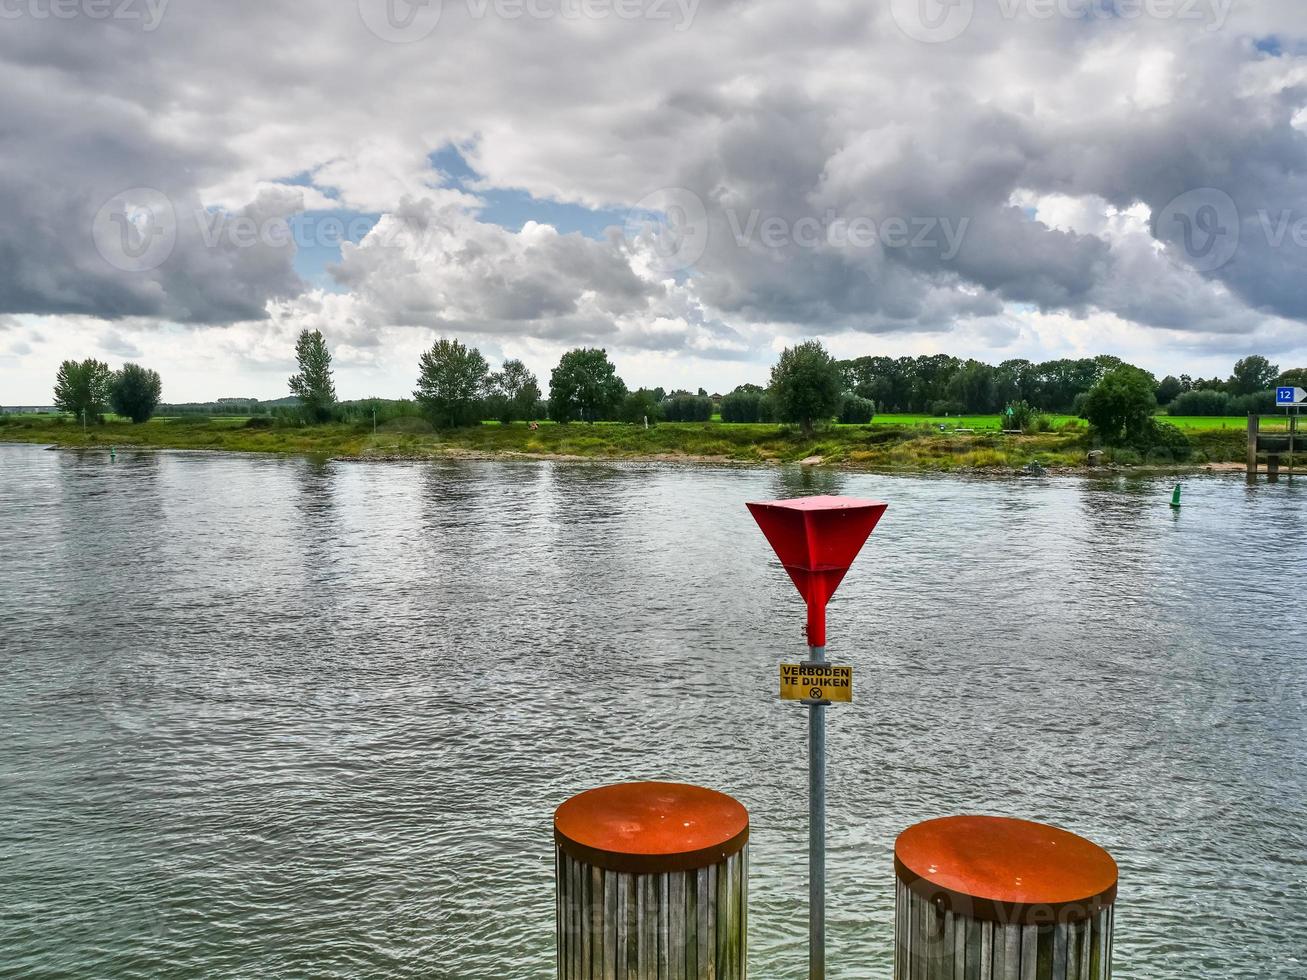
[(652, 884), (990, 898), (1006, 870), (651, 828)]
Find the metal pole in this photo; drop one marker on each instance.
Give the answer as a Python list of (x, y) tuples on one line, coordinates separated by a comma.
[(1293, 428), (817, 832)]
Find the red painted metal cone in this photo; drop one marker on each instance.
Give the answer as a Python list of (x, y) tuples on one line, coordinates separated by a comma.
[(816, 539)]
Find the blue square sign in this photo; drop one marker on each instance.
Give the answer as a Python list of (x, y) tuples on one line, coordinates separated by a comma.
[(1290, 396)]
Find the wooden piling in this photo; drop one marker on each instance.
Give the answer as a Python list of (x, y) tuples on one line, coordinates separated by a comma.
[(989, 898), (1254, 426), (652, 884)]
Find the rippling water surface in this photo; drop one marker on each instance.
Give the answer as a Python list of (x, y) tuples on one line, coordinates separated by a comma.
[(281, 718)]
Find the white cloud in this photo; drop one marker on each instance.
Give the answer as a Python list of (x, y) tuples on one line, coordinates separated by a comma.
[(1054, 142)]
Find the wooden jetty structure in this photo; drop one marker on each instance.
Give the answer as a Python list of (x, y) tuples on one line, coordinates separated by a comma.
[(992, 898), (652, 883), (1275, 445)]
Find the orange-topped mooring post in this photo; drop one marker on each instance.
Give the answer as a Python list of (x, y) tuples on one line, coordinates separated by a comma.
[(652, 882), (1002, 899)]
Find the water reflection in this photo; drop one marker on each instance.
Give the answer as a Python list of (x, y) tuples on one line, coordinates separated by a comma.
[(807, 481)]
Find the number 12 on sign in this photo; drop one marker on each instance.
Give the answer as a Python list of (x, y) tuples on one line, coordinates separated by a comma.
[(816, 683)]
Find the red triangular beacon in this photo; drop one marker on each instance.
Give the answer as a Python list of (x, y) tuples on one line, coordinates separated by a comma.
[(816, 539)]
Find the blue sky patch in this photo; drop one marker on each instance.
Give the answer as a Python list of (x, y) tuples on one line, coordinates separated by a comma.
[(318, 234)]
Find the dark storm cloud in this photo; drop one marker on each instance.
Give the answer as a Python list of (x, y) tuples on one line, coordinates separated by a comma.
[(69, 150), (817, 120)]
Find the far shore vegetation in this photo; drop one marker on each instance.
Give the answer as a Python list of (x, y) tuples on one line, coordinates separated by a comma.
[(926, 413)]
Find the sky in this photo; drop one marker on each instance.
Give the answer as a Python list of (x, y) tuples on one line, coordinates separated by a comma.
[(692, 185)]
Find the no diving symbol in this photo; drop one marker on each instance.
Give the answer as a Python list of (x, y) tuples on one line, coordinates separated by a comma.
[(815, 693)]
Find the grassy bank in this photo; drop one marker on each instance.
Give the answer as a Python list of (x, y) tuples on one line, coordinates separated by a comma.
[(888, 444)]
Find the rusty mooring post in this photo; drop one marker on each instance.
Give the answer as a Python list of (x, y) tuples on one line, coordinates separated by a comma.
[(1002, 899), (652, 882)]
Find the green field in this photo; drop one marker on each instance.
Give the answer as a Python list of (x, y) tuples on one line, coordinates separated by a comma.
[(892, 442)]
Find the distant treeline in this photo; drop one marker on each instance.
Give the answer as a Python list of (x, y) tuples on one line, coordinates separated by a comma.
[(940, 384), (456, 387), (228, 406), (937, 384)]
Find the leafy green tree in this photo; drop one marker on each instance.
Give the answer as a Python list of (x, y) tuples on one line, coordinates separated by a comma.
[(1016, 380), (135, 392), (806, 385), (1168, 389), (313, 384), (1061, 381), (1252, 374), (585, 386), (1120, 406), (974, 384), (451, 377), (515, 389), (1295, 377), (932, 374), (640, 405), (83, 387)]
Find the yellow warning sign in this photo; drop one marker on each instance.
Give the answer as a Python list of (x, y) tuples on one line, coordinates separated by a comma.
[(816, 682)]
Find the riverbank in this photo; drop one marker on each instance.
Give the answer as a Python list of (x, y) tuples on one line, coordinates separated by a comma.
[(878, 446)]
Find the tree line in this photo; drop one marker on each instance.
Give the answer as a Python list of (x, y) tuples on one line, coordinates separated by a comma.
[(940, 384), (456, 387), (808, 387)]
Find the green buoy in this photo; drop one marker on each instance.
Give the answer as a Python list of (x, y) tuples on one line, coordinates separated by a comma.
[(113, 453), (1175, 496)]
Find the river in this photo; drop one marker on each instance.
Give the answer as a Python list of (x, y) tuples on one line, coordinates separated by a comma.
[(283, 718)]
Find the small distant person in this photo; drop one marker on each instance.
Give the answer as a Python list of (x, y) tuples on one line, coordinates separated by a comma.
[(534, 426)]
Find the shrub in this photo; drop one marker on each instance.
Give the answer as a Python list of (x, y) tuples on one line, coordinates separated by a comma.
[(742, 406), (946, 406), (1258, 403), (260, 422), (1202, 401), (856, 411), (408, 424), (1163, 442), (1019, 415), (638, 406), (688, 408)]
